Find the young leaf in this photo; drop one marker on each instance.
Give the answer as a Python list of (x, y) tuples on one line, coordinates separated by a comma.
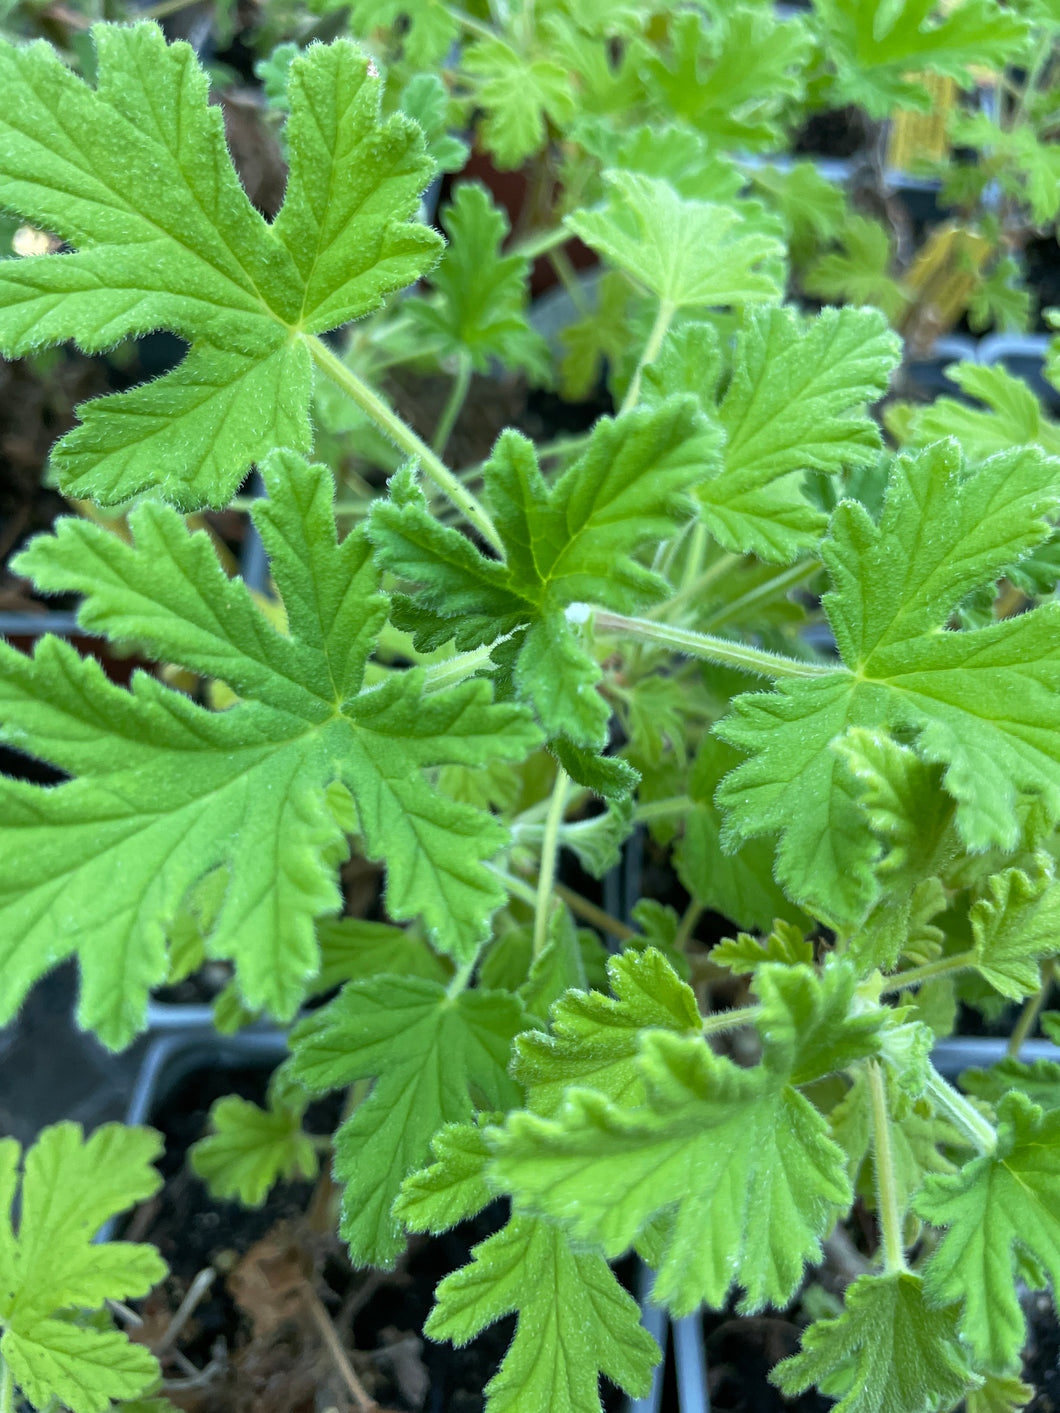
[(51, 1264), (352, 949), (427, 1053), (251, 1148), (167, 792), (744, 1161), (428, 33), (483, 295), (135, 175), (878, 50), (575, 1320), (887, 1353), (1014, 926), (564, 542), (793, 405), (744, 954), (999, 1209), (1039, 1080), (594, 1039), (689, 253), (983, 704), (859, 273)]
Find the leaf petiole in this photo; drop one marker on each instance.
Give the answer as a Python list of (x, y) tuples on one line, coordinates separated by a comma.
[(964, 1114), (7, 1387), (916, 976), (454, 404), (886, 1183), (549, 851), (663, 319), (723, 651), (402, 435)]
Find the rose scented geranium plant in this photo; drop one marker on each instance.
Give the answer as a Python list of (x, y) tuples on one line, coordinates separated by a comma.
[(494, 666)]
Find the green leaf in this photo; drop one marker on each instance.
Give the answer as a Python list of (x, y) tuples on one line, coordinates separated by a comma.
[(877, 51), (558, 968), (166, 792), (793, 405), (594, 1039), (982, 704), (740, 885), (730, 76), (1039, 1080), (569, 540), (426, 100), (135, 175), (859, 274), (1014, 926), (887, 1353), (352, 949), (575, 1320), (691, 254), (742, 1159), (428, 1054), (251, 1148), (744, 954), (482, 295), (519, 95), (51, 1264), (998, 1209), (999, 1394), (813, 208), (1014, 416), (428, 32)]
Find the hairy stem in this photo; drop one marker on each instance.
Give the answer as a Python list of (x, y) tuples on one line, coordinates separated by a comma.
[(687, 925), (402, 435), (886, 1184), (663, 809), (651, 351), (461, 977), (966, 1116), (722, 566), (729, 1020), (916, 976), (454, 404), (7, 1387), (762, 593), (581, 907), (549, 851), (724, 651), (455, 669)]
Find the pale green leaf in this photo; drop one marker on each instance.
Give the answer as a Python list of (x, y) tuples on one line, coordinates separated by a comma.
[(251, 1148), (1014, 416), (134, 174), (519, 95), (1014, 926), (691, 254), (859, 273)]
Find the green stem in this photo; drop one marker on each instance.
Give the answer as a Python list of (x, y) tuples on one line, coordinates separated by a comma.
[(549, 851), (533, 245), (568, 277), (694, 587), (456, 669), (663, 809), (402, 435), (582, 908), (517, 887), (468, 22), (886, 1184), (759, 661), (772, 588), (729, 1020), (1039, 63), (916, 976), (454, 403), (966, 1116), (1029, 1015), (7, 1387), (651, 350), (461, 977), (694, 560), (687, 925)]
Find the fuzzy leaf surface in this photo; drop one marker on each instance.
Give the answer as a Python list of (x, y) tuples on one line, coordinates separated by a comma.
[(135, 175), (888, 1352), (983, 704), (50, 1264), (167, 792), (689, 253), (1016, 925), (427, 1054), (793, 405), (999, 1208), (250, 1148), (744, 1160), (566, 541), (574, 1319), (482, 294)]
